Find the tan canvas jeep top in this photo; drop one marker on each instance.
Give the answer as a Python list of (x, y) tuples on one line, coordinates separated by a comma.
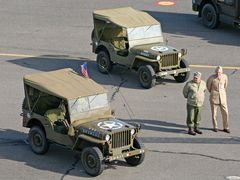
[(64, 83), (125, 17), (126, 24), (85, 99)]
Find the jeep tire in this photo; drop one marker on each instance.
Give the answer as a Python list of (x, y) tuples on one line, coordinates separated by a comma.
[(37, 140), (137, 159), (103, 62), (182, 77), (92, 161), (209, 15), (147, 77)]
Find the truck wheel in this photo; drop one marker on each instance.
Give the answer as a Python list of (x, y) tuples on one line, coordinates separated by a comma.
[(104, 63), (146, 76), (37, 140), (137, 159), (209, 16), (92, 161), (182, 77)]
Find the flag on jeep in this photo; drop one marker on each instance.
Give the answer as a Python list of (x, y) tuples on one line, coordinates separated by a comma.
[(84, 70)]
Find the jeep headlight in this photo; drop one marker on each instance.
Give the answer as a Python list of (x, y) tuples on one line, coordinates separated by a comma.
[(107, 137), (158, 57), (133, 131), (179, 55)]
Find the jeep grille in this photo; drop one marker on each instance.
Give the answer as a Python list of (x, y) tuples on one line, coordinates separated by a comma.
[(121, 139), (169, 60)]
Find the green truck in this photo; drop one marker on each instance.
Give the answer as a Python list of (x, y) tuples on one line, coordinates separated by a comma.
[(134, 39), (213, 12), (64, 108)]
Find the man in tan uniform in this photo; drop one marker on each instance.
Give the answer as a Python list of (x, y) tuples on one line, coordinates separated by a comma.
[(217, 85), (194, 92)]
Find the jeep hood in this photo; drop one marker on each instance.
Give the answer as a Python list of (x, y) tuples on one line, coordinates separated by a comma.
[(104, 126), (152, 49)]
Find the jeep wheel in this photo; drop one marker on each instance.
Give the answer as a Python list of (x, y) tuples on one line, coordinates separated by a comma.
[(209, 16), (92, 161), (137, 159), (146, 76), (37, 140), (182, 77), (104, 63)]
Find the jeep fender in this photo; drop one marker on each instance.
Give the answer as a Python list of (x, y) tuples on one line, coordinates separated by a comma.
[(35, 122), (101, 48), (140, 60), (88, 139)]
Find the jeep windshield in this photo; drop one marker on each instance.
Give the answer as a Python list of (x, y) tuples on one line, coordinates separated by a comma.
[(81, 105), (144, 32), (144, 35)]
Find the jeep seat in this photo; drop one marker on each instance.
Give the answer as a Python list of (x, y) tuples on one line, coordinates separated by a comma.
[(57, 118)]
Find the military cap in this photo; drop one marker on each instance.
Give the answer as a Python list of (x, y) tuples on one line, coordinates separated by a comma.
[(197, 74)]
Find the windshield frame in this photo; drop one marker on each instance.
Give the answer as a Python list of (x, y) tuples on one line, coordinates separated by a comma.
[(83, 105), (138, 35)]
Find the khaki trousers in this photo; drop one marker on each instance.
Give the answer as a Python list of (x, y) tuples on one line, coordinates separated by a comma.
[(193, 116), (224, 112)]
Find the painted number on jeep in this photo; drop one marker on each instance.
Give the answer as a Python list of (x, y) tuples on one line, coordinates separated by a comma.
[(110, 125), (159, 48)]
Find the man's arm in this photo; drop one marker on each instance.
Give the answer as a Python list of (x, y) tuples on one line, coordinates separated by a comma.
[(185, 90), (209, 84), (226, 82)]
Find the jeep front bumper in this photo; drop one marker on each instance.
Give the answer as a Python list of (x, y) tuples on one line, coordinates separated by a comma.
[(172, 72), (125, 154)]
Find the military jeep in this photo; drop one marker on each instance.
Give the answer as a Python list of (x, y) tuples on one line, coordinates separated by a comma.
[(134, 39), (64, 108)]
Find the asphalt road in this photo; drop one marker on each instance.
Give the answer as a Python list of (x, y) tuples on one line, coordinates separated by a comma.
[(60, 30)]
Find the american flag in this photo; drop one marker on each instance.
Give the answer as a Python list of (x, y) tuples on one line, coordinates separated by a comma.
[(84, 70)]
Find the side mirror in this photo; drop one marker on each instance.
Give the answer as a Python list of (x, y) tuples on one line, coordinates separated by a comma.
[(113, 112), (183, 52)]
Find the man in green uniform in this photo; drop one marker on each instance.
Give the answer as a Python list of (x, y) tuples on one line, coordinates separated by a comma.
[(194, 91)]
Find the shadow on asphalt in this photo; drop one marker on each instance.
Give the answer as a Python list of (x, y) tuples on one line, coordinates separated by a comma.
[(58, 159), (120, 76), (180, 24), (158, 125), (66, 162), (168, 127)]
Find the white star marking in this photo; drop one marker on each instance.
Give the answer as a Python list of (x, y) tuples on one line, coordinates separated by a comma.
[(110, 125)]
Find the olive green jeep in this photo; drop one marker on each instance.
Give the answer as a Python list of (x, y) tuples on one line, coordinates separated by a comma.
[(134, 39), (64, 108)]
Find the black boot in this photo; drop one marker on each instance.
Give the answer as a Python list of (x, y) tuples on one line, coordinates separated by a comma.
[(191, 132), (197, 130)]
